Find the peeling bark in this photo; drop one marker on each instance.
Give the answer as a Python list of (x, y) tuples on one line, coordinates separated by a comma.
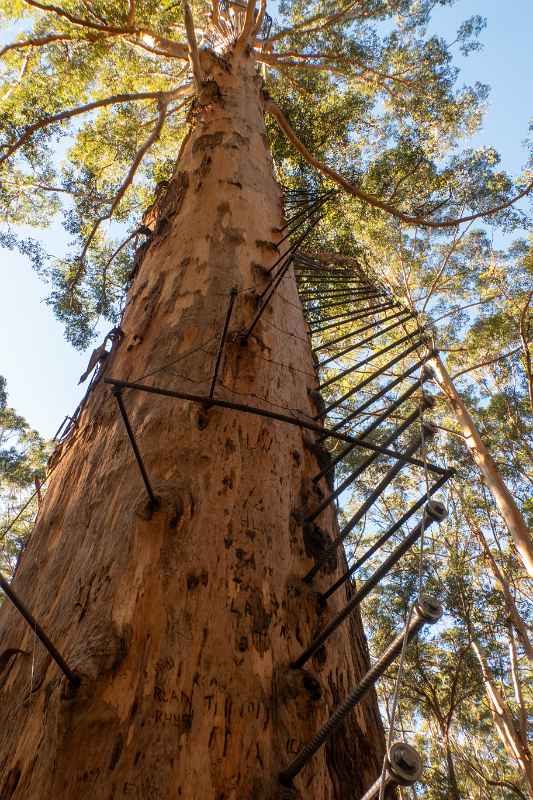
[(182, 622)]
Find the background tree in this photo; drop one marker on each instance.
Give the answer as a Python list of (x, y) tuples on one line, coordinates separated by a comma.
[(22, 469)]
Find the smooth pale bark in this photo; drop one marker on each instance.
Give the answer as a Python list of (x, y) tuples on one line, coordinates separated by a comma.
[(517, 686), (510, 735), (182, 623), (514, 615), (504, 500)]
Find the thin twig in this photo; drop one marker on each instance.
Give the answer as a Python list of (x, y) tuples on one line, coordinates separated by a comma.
[(463, 308), (444, 264)]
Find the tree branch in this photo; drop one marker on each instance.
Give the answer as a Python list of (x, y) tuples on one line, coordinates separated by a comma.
[(260, 17), (194, 57), (404, 177), (78, 21), (369, 199), (512, 610), (490, 781), (486, 363), (131, 11), (22, 71), (289, 78), (89, 6), (215, 16), (519, 697), (248, 26), (141, 152), (444, 264), (503, 719), (344, 61), (35, 42), (506, 785), (273, 61), (42, 186), (159, 45), (73, 112), (328, 21), (468, 305)]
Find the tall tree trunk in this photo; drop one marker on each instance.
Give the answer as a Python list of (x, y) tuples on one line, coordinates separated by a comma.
[(510, 735), (182, 622), (512, 610), (503, 498), (453, 788), (523, 725)]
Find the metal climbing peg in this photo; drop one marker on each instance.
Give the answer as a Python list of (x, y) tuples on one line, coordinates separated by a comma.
[(396, 526), (433, 512), (427, 611), (387, 479), (39, 632), (232, 296), (152, 499), (403, 767)]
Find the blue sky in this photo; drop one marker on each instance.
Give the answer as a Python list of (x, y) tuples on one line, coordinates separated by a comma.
[(42, 369)]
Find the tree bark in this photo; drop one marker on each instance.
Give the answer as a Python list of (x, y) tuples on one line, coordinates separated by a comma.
[(504, 500), (182, 622)]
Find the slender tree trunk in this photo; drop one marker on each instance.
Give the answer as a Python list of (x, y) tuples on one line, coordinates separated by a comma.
[(182, 622), (508, 732), (453, 788), (504, 500), (517, 686), (510, 604)]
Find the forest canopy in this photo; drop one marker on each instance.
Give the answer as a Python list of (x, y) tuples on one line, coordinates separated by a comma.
[(96, 99)]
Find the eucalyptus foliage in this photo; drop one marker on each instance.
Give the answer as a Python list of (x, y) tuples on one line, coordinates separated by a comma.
[(94, 106)]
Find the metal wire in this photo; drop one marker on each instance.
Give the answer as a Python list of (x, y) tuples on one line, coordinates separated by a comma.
[(395, 697)]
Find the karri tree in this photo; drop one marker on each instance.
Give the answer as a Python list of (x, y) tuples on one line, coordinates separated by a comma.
[(181, 616)]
